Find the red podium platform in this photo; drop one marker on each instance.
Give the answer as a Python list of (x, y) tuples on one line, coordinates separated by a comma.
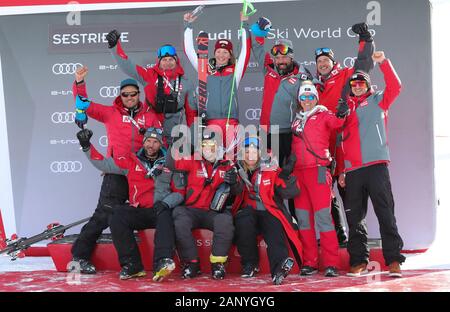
[(105, 255)]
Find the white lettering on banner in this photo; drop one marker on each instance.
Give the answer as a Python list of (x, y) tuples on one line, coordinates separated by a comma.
[(318, 34), (63, 92), (63, 142), (351, 34), (253, 89), (108, 67), (278, 34), (374, 16), (226, 34), (85, 38), (252, 64)]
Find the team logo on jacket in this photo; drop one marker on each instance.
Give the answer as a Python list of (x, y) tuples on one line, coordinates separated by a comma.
[(272, 75), (266, 182), (221, 174), (200, 174), (365, 103), (138, 168), (292, 80), (229, 70), (141, 121)]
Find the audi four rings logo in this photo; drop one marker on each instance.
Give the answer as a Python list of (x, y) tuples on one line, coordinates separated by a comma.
[(109, 92), (65, 68), (253, 113), (66, 166), (63, 117), (103, 141)]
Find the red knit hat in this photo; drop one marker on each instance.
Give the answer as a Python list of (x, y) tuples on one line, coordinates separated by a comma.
[(224, 44)]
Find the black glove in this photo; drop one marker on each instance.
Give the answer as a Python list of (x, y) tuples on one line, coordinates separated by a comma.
[(113, 37), (362, 30), (342, 110), (230, 176), (288, 167), (84, 137), (160, 206)]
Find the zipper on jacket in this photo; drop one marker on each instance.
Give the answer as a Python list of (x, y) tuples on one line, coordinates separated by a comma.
[(135, 194), (379, 134)]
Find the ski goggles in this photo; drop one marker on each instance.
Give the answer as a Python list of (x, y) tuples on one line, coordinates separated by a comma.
[(252, 141), (157, 130), (280, 49), (307, 97), (320, 51), (208, 143), (128, 94), (358, 84), (166, 50)]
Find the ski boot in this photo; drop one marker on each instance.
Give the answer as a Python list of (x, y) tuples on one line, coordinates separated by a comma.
[(191, 269), (164, 267), (249, 270), (218, 271), (283, 271), (83, 266), (130, 270), (308, 271), (331, 272), (218, 266)]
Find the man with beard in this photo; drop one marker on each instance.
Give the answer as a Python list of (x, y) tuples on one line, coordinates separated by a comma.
[(282, 79)]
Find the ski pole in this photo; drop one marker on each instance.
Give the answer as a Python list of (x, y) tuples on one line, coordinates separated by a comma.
[(246, 5)]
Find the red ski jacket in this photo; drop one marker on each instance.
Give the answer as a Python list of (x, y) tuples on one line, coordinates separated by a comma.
[(334, 86), (271, 189), (198, 194), (311, 145), (123, 135), (148, 77)]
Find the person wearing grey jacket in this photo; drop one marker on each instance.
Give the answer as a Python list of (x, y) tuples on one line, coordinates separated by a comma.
[(154, 191)]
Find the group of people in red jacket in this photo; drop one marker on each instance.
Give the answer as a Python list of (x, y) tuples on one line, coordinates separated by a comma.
[(328, 127)]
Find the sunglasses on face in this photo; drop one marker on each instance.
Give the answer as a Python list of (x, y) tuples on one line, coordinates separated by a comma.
[(320, 51), (358, 84), (280, 49), (166, 50), (307, 97), (128, 94)]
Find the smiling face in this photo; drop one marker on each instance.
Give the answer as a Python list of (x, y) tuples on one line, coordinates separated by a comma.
[(324, 65), (129, 96), (151, 147), (359, 87), (167, 63), (251, 156), (308, 101), (209, 150), (283, 62), (222, 56)]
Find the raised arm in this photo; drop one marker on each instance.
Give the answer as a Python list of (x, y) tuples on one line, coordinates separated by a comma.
[(244, 55), (125, 63), (260, 30), (103, 164), (189, 40), (391, 79)]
